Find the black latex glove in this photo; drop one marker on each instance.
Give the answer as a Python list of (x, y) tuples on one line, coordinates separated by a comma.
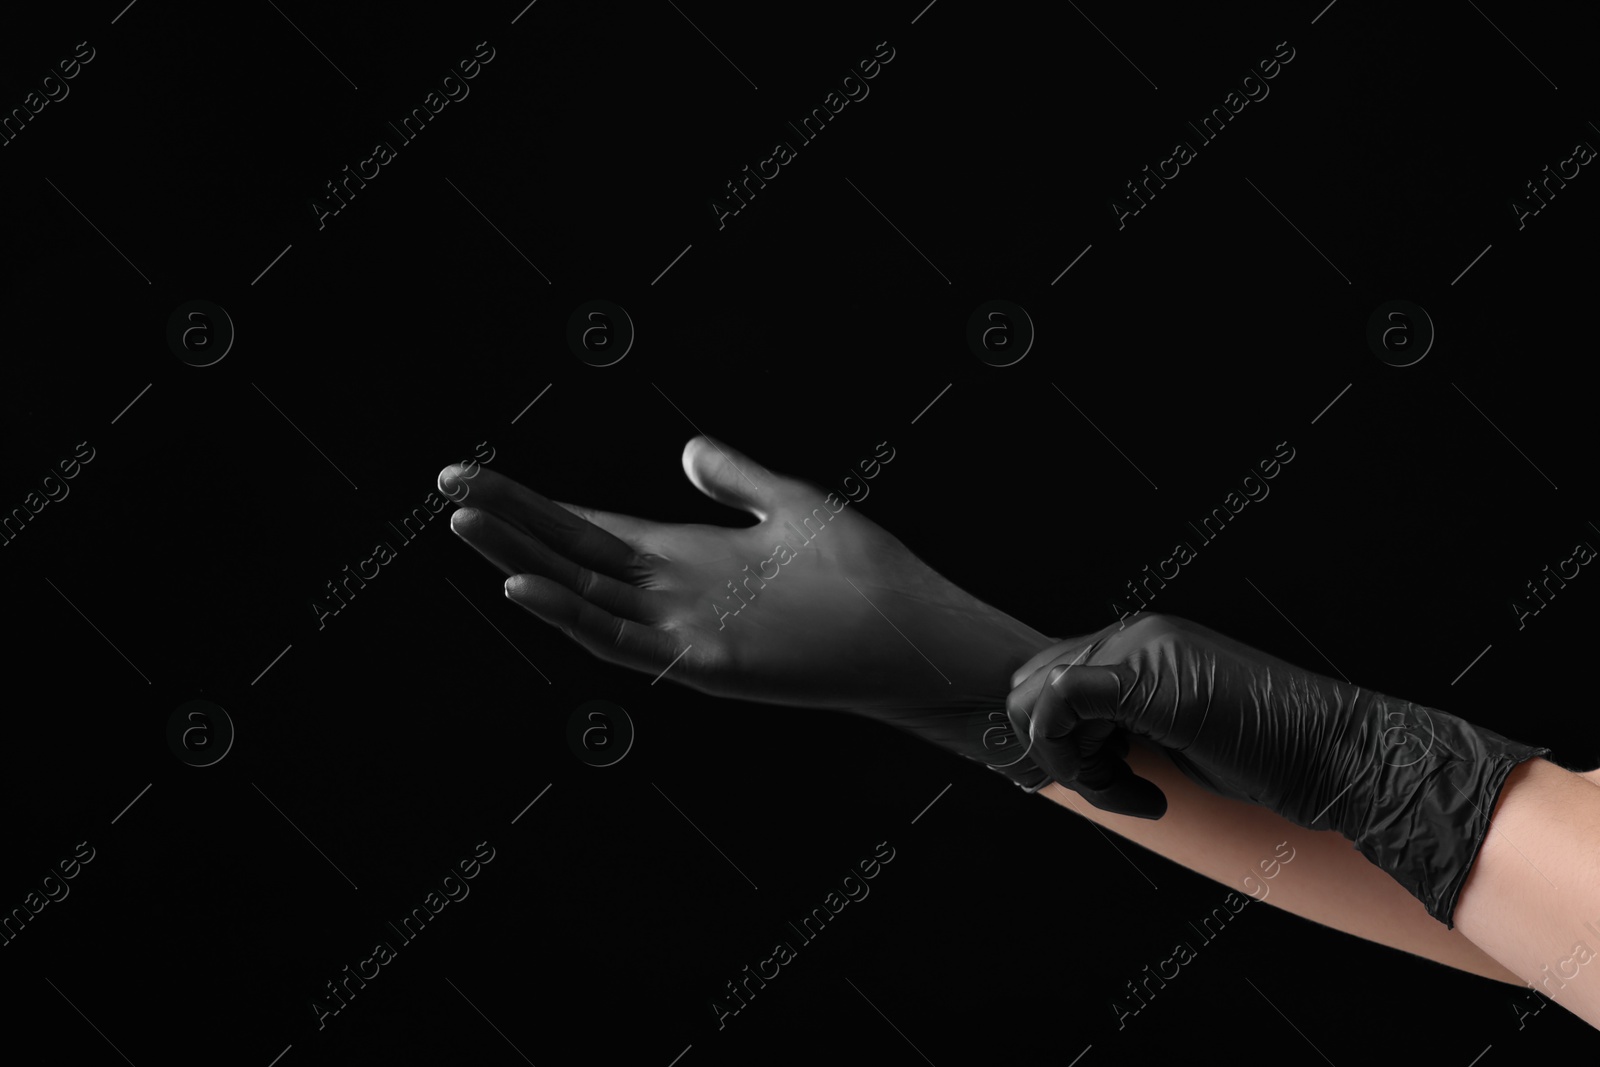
[(814, 605), (1413, 787)]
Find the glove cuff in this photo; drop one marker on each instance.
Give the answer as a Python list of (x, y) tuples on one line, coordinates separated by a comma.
[(981, 731), (1427, 821), (1025, 776)]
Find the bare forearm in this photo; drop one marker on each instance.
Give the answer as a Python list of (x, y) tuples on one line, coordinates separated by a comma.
[(1532, 900), (1327, 881)]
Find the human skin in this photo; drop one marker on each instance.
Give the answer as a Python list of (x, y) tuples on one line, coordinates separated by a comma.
[(1181, 674), (1328, 882), (1521, 915), (1532, 899), (902, 643)]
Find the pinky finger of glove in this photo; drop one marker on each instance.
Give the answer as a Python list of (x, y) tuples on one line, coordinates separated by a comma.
[(1070, 740)]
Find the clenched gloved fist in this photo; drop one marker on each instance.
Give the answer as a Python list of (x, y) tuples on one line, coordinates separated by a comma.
[(1413, 787)]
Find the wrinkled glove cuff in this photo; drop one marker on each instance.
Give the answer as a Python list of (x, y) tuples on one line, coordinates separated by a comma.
[(1428, 821)]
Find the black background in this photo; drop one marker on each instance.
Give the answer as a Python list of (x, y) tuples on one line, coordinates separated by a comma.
[(808, 329)]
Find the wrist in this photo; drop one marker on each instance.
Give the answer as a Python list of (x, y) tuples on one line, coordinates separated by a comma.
[(976, 656), (1429, 809)]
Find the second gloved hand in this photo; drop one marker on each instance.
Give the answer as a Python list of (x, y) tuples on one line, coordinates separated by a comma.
[(1412, 786)]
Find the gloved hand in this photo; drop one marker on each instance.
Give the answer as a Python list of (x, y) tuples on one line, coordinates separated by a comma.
[(1411, 786), (814, 605)]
